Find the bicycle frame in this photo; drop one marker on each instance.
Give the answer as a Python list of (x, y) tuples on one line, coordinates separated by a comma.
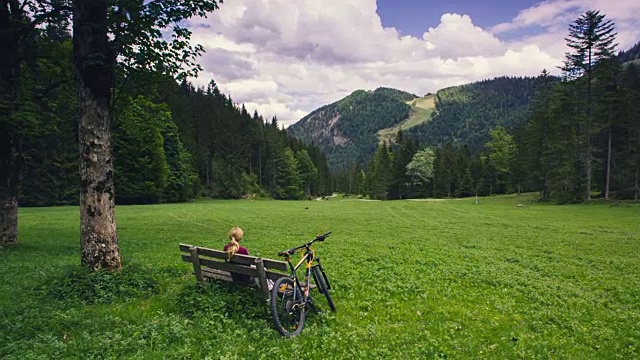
[(308, 257)]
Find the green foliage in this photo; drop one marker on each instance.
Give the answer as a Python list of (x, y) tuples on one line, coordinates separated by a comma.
[(182, 177), (140, 30), (308, 171), (288, 183), (101, 287), (403, 151), (592, 40), (420, 168), (49, 130), (502, 151), (237, 154), (445, 168), (510, 281), (170, 144), (380, 174), (140, 162)]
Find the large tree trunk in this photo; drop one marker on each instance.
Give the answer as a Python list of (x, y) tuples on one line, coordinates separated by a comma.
[(13, 31), (93, 66), (9, 174)]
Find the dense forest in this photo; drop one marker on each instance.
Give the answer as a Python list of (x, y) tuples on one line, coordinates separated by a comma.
[(577, 137), (347, 129), (465, 114), (171, 140)]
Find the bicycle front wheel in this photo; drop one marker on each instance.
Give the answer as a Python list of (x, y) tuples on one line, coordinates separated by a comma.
[(287, 307), (322, 286)]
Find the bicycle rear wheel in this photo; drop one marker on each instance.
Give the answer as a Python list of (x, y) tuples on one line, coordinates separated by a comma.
[(287, 307), (322, 286)]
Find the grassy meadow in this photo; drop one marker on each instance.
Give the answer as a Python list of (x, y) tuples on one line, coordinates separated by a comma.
[(411, 279)]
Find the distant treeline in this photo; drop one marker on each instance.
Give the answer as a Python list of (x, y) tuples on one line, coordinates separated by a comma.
[(171, 141)]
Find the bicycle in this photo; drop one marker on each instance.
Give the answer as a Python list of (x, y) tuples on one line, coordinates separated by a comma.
[(290, 300)]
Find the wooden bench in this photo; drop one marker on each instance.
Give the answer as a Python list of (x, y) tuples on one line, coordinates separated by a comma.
[(212, 264)]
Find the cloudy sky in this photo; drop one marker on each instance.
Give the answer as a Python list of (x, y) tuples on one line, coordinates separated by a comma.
[(289, 57)]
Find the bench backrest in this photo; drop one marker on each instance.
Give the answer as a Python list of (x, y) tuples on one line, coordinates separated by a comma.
[(241, 264)]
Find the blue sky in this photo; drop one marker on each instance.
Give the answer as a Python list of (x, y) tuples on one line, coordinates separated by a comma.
[(286, 58), (413, 17)]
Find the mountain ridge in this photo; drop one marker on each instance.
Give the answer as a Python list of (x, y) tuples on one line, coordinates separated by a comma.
[(350, 129)]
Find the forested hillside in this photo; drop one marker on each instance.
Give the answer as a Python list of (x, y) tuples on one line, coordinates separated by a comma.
[(466, 113), (171, 141), (347, 129), (630, 55)]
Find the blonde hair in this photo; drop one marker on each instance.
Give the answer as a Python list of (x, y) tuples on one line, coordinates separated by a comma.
[(235, 235)]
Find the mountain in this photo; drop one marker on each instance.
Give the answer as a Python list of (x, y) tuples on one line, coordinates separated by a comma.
[(350, 129), (347, 130)]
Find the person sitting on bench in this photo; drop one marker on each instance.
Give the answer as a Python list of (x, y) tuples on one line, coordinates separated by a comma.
[(233, 247)]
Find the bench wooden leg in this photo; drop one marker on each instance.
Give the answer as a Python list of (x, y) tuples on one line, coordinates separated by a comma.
[(195, 259), (262, 278)]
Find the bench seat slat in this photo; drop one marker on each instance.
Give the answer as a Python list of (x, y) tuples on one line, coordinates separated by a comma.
[(209, 265), (230, 267), (226, 276), (217, 274)]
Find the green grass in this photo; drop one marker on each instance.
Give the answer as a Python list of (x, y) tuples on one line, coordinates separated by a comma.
[(412, 279), (421, 111), (426, 102)]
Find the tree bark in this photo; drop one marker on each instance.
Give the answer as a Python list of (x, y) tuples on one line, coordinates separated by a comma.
[(608, 178), (93, 66), (636, 187), (12, 47), (9, 174), (588, 127)]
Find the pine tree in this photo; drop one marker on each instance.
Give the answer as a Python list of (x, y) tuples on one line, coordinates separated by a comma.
[(141, 168), (308, 171), (609, 107), (536, 141), (563, 146), (502, 150), (592, 40), (445, 171), (380, 175), (631, 123)]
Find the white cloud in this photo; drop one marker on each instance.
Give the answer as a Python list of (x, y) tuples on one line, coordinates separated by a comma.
[(554, 16), (286, 58), (456, 36)]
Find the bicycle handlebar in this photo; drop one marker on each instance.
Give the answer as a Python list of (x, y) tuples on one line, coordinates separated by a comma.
[(293, 250)]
